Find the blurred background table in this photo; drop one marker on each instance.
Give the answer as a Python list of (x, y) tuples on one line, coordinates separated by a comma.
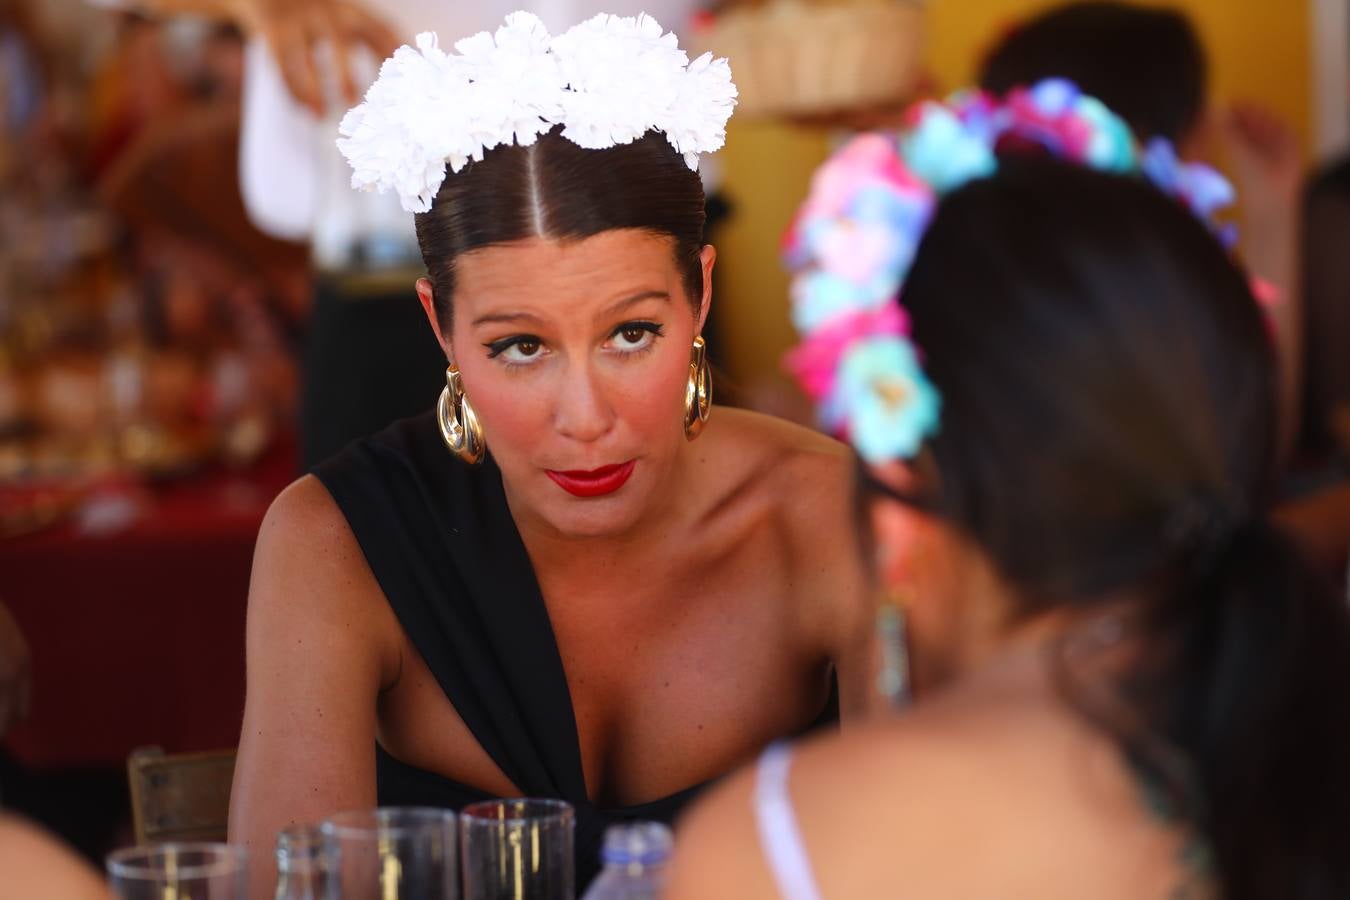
[(138, 634)]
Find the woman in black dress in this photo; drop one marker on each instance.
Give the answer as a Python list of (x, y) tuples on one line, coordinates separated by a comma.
[(603, 594)]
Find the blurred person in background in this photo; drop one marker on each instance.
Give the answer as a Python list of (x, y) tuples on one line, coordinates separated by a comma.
[(36, 867), (1326, 417), (1128, 682), (1322, 458), (1148, 64), (34, 864)]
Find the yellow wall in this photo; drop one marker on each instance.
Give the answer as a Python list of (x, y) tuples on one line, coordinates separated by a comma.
[(1258, 50)]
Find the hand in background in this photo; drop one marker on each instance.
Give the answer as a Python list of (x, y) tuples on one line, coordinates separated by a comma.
[(15, 673), (296, 29), (1267, 165)]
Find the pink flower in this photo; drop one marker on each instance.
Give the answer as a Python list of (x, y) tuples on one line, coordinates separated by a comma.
[(815, 362), (861, 163)]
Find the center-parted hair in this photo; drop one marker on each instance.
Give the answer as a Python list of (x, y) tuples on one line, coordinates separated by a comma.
[(557, 190)]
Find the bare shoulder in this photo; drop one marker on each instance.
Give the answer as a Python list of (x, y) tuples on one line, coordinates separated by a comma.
[(36, 866), (311, 583), (304, 517), (308, 562), (808, 474), (717, 847), (804, 484), (768, 436), (838, 787), (898, 808)]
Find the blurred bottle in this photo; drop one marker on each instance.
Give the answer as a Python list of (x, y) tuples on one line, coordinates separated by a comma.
[(306, 869), (635, 858)]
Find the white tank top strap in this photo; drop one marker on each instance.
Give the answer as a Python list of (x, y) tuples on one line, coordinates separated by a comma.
[(779, 837)]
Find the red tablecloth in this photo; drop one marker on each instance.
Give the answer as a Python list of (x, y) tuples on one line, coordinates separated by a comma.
[(138, 636)]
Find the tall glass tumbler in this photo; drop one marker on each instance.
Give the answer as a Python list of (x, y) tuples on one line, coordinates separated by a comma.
[(518, 850), (179, 872), (394, 854)]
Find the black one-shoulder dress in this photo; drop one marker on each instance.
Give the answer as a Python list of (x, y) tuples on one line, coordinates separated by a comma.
[(440, 540)]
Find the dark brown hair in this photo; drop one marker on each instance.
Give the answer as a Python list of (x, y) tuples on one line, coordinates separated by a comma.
[(1108, 406), (555, 189), (1145, 63)]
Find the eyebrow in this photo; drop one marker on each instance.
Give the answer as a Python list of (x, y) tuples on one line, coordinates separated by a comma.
[(615, 308)]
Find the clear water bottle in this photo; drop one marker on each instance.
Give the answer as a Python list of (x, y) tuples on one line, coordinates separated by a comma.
[(306, 867), (635, 858)]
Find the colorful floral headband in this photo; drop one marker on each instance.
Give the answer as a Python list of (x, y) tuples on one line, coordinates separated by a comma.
[(854, 239), (607, 81)]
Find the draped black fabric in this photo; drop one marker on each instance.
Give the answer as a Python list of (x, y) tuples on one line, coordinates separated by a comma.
[(440, 539)]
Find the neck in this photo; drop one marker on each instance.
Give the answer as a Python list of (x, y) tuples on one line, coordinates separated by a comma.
[(1091, 639)]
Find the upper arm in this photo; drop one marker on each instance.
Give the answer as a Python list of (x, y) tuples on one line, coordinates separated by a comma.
[(717, 851), (317, 660)]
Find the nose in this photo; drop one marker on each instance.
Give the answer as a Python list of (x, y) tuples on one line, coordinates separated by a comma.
[(583, 412)]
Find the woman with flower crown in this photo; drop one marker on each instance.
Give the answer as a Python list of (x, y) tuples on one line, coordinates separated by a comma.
[(574, 578), (1128, 684)]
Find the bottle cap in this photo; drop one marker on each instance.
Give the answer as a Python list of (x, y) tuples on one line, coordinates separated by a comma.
[(637, 843)]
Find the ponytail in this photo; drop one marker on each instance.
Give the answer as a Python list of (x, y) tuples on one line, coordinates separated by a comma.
[(1255, 693)]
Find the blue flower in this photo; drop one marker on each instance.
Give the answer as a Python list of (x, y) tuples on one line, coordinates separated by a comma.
[(982, 117), (941, 152), (888, 403), (1111, 147), (907, 212), (1201, 188), (820, 297), (1161, 166), (1054, 97), (1206, 190)]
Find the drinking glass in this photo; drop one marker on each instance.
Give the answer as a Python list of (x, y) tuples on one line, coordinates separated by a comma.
[(179, 872), (394, 854), (517, 850), (306, 865)]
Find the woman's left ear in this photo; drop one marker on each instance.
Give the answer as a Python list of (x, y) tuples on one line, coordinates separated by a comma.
[(708, 256)]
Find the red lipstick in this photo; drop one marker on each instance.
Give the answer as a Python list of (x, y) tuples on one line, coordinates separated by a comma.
[(595, 483)]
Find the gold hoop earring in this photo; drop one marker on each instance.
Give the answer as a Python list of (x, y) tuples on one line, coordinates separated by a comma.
[(459, 426), (698, 392)]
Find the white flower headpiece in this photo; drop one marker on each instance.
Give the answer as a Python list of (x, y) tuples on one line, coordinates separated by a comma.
[(607, 81)]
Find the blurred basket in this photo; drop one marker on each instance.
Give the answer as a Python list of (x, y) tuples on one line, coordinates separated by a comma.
[(792, 58)]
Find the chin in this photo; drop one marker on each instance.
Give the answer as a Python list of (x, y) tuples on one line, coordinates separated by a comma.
[(598, 517)]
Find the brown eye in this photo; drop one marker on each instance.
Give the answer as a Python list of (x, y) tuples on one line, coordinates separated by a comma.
[(632, 337), (527, 348)]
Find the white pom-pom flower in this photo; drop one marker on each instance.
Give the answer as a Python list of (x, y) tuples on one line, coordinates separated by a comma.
[(517, 89), (622, 76), (607, 81), (410, 126), (705, 96)]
